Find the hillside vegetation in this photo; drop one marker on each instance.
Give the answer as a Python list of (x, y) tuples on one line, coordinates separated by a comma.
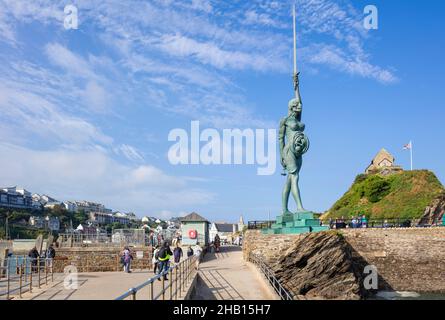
[(401, 195)]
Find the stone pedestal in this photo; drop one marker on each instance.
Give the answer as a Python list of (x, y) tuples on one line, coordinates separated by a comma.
[(297, 223)]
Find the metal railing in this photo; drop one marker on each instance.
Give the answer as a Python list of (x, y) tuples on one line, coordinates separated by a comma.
[(255, 225), (21, 274), (358, 223), (180, 275), (270, 276), (372, 223)]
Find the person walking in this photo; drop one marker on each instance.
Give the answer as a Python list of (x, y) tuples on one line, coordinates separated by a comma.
[(127, 257), (34, 255), (50, 255), (190, 252), (155, 260), (198, 252), (163, 256), (177, 253), (217, 242)]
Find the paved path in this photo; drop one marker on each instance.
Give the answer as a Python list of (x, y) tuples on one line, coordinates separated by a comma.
[(98, 286), (226, 276)]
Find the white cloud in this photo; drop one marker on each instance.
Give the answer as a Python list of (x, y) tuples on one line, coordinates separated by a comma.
[(337, 59), (210, 53), (96, 97), (130, 153), (93, 175), (28, 114)]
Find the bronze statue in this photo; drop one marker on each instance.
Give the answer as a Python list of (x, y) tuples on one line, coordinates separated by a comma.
[(293, 144), (293, 141)]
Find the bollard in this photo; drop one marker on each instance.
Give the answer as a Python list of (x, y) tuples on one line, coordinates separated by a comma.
[(8, 283), (20, 281), (30, 280), (46, 271), (38, 271), (151, 290), (171, 283), (176, 282), (163, 287)]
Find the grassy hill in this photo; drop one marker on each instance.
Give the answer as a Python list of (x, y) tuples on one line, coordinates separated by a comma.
[(401, 195)]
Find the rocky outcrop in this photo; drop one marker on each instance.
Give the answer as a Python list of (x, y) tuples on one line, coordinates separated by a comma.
[(435, 211), (314, 266), (320, 266)]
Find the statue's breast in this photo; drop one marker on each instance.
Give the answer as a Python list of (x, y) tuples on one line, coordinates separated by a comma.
[(295, 125)]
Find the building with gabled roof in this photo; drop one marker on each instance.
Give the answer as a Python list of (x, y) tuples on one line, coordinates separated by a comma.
[(383, 163), (194, 229)]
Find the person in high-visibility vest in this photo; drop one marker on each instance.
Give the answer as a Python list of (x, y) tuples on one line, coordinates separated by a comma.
[(164, 255)]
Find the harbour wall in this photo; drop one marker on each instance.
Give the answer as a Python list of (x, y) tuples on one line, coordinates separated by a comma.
[(100, 259), (410, 259)]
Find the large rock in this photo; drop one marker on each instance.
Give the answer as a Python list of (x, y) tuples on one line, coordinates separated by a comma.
[(435, 211), (315, 266), (320, 266)]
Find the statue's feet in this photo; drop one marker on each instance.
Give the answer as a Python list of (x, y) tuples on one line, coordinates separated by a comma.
[(301, 210), (287, 213)]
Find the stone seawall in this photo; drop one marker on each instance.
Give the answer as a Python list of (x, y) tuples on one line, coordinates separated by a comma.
[(406, 259), (100, 259)]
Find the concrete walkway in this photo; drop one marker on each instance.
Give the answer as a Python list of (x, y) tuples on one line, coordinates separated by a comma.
[(226, 276), (98, 286)]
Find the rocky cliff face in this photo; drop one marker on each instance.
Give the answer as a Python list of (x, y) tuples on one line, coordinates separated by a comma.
[(435, 211), (315, 266)]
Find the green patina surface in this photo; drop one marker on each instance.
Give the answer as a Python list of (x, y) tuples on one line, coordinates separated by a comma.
[(297, 223)]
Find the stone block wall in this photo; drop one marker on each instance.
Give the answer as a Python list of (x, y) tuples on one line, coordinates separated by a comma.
[(411, 259), (99, 259)]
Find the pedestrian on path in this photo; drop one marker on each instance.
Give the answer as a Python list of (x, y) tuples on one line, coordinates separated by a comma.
[(34, 255), (198, 252), (163, 256), (127, 257), (50, 255), (190, 252), (155, 260), (177, 253)]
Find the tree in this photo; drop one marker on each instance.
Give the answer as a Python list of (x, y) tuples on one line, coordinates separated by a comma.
[(376, 188)]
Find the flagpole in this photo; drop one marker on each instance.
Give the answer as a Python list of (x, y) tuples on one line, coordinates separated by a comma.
[(411, 154)]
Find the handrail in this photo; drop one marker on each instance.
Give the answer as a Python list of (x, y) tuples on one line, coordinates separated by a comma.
[(23, 269), (270, 276), (182, 275)]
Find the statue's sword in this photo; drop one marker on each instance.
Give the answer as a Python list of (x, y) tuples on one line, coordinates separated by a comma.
[(296, 73)]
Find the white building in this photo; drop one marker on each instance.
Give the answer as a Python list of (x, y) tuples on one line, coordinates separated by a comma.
[(70, 206), (13, 197), (88, 206), (51, 223), (223, 230), (241, 224)]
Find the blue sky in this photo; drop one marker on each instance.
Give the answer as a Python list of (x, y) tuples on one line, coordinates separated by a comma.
[(85, 113)]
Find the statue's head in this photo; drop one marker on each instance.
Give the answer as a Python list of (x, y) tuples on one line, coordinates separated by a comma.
[(295, 106)]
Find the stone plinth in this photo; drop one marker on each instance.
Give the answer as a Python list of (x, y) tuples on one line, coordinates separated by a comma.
[(297, 223)]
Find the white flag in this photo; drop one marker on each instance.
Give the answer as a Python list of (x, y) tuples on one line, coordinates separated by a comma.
[(408, 146)]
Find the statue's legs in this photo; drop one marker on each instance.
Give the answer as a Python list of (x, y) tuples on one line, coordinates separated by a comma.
[(296, 191), (285, 196)]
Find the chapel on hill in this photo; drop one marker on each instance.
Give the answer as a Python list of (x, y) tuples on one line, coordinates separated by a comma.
[(383, 163)]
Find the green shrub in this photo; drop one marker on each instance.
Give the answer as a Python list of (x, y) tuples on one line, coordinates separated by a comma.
[(376, 188)]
